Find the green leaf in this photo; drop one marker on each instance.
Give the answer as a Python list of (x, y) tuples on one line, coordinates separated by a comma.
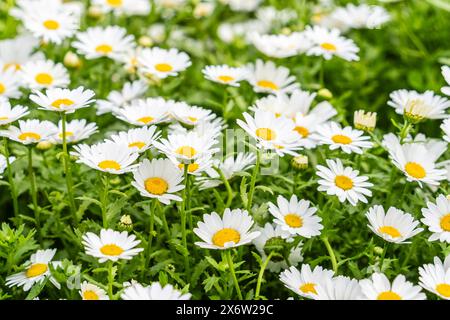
[(36, 289)]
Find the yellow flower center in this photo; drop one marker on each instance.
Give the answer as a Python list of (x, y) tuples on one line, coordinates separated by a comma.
[(29, 136), (308, 288), (186, 151), (36, 270), (393, 232), (304, 132), (111, 250), (66, 102), (343, 182), (163, 67), (192, 119), (226, 235), (156, 185), (44, 79), (192, 167), (293, 220), (225, 78), (443, 289), (104, 49), (137, 144), (4, 118), (90, 295), (267, 84), (109, 164), (388, 295), (145, 120), (328, 46), (51, 24), (2, 88), (339, 138), (68, 134), (114, 3), (415, 170), (266, 134), (14, 65), (445, 222)]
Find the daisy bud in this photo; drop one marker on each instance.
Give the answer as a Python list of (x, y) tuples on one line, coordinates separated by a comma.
[(203, 9), (278, 246), (300, 162), (448, 197), (415, 110), (365, 120), (115, 181), (286, 31), (325, 93), (95, 12), (145, 41), (125, 223), (378, 250), (71, 60), (44, 145)]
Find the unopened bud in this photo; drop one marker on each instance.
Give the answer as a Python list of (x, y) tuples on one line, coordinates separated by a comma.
[(416, 110), (286, 31), (300, 162), (203, 9), (44, 145), (115, 181), (95, 12), (145, 41), (378, 250), (71, 60), (125, 223), (325, 93), (365, 120)]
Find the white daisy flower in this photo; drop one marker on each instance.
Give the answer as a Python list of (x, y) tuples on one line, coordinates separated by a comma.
[(119, 99), (211, 128), (231, 230), (419, 106), (97, 42), (186, 148), (14, 53), (272, 133), (44, 74), (362, 16), (343, 182), (191, 115), (4, 164), (63, 100), (338, 288), (10, 114), (138, 139), (163, 63), (394, 226), (305, 281), (158, 179), (445, 126), (36, 270), (111, 245), (270, 234), (27, 7), (280, 45), (239, 5), (30, 131), (446, 74), (124, 7), (89, 291), (268, 78), (107, 157), (296, 217), (272, 16), (76, 130), (145, 112), (378, 287), (417, 160), (436, 277), (225, 74), (228, 32), (437, 218), (10, 83), (348, 139), (329, 43), (155, 291)]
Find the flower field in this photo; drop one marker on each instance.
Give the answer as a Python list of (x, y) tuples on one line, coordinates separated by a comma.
[(224, 150)]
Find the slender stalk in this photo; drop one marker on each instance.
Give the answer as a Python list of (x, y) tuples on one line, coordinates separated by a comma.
[(385, 248), (33, 190), (233, 273), (183, 216), (12, 185), (261, 274), (164, 221), (152, 208), (253, 181), (104, 200), (331, 254), (405, 130), (110, 280), (68, 171), (227, 187)]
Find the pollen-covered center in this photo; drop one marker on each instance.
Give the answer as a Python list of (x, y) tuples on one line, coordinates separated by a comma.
[(104, 49), (225, 78), (266, 134), (68, 134), (308, 288), (328, 46), (304, 132), (445, 222), (29, 136), (51, 24), (226, 235), (111, 250), (415, 170), (343, 182), (267, 84), (186, 151), (109, 164), (293, 220), (137, 144), (339, 138), (163, 67), (156, 186), (90, 295), (389, 295), (391, 231), (2, 88), (192, 167), (114, 3), (36, 269), (145, 120), (443, 289), (44, 79), (62, 102)]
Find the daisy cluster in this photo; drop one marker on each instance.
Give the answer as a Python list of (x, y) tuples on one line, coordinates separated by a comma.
[(174, 149)]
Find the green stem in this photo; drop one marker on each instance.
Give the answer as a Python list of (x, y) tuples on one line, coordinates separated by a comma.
[(104, 200), (68, 171), (183, 216), (110, 280), (227, 187), (12, 185), (261, 274), (150, 230), (331, 254), (164, 221), (253, 181), (233, 273), (385, 248), (405, 130), (33, 191)]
